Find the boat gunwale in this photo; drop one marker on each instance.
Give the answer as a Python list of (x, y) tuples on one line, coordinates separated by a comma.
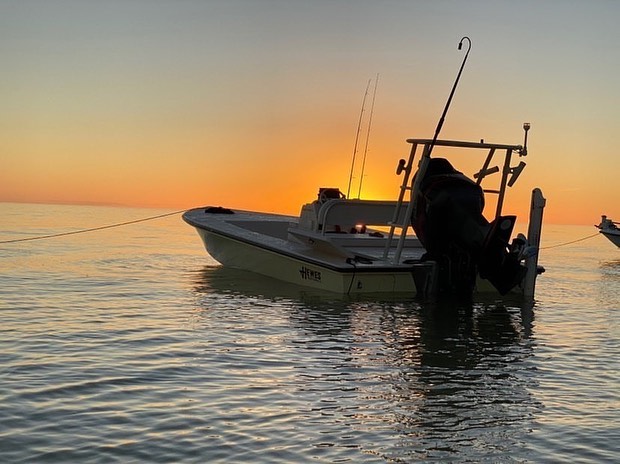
[(351, 268)]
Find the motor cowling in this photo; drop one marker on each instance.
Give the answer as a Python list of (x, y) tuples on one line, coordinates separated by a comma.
[(448, 221)]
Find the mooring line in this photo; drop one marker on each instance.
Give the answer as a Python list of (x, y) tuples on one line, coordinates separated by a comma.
[(569, 243), (159, 216), (92, 229)]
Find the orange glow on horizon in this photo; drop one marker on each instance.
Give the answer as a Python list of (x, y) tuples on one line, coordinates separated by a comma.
[(274, 173)]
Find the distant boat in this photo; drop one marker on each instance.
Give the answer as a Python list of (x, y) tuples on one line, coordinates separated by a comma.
[(610, 229)]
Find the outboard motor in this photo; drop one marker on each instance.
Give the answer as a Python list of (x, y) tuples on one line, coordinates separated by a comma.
[(448, 221)]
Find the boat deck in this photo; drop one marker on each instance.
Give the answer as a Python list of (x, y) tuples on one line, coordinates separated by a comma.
[(279, 233)]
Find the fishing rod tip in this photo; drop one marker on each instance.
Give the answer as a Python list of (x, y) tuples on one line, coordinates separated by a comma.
[(461, 42)]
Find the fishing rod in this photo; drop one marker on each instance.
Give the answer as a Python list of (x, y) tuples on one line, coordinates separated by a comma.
[(372, 108), (426, 155), (445, 110), (357, 135)]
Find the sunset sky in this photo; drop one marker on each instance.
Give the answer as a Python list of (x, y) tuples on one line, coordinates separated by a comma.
[(254, 104)]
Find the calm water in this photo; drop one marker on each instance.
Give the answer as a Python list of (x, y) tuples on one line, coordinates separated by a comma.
[(132, 345)]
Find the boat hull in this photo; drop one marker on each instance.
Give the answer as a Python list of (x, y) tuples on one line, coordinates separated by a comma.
[(273, 245), (347, 279), (613, 236)]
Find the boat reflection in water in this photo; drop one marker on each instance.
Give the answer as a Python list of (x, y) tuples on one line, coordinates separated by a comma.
[(401, 379)]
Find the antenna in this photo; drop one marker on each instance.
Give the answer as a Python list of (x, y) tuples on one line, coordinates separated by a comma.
[(357, 136), (526, 127), (372, 108)]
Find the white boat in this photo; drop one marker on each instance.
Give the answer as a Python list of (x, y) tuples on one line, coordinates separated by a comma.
[(610, 229), (352, 246)]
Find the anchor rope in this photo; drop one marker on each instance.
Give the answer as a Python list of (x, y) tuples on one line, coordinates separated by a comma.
[(569, 243), (92, 229), (159, 216)]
